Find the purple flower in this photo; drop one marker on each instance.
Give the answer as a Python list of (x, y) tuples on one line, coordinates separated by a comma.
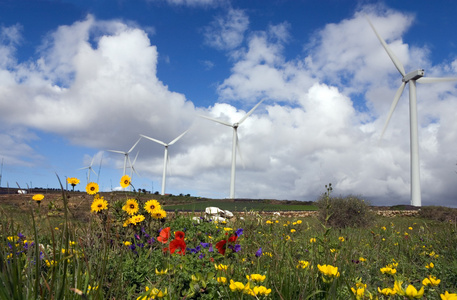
[(235, 248), (201, 256), (137, 237), (150, 241), (239, 231), (210, 248), (259, 252), (204, 245)]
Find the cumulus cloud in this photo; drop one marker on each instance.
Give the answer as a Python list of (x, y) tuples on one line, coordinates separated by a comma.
[(95, 83)]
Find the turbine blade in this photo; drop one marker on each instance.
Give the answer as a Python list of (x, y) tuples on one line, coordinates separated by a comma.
[(392, 56), (93, 171), (117, 151), (218, 121), (176, 139), (92, 161), (250, 112), (154, 140), (393, 106), (136, 156), (435, 79), (134, 145), (83, 168)]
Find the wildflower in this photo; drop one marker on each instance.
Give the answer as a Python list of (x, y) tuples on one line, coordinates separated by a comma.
[(302, 264), (388, 270), (341, 239), (269, 222), (447, 296), (411, 292), (73, 181), (431, 281), (239, 231), (333, 250), (298, 222), (430, 266), (151, 206), (92, 188), (159, 214), (227, 229), (410, 228), (329, 270), (136, 219), (362, 259), (292, 230), (312, 240), (221, 267), (258, 253), (127, 243), (131, 206), (261, 290), (178, 244), (384, 228), (236, 286), (398, 288), (164, 235), (387, 291), (256, 277), (221, 245), (179, 235), (38, 198), (98, 205), (359, 292), (161, 272), (125, 181), (221, 280)]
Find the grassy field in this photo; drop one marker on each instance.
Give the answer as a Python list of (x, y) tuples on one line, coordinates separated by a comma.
[(57, 248)]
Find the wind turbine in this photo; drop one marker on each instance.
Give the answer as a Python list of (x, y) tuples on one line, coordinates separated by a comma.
[(165, 155), (89, 169), (411, 78), (234, 143), (126, 154)]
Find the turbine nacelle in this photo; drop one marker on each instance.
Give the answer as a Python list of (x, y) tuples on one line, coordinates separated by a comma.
[(414, 75)]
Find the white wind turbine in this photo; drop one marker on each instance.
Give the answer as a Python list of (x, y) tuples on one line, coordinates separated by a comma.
[(410, 78), (234, 143), (165, 155), (89, 169), (126, 154)]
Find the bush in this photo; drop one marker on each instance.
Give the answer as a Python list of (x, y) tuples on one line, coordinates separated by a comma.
[(342, 212), (438, 213)]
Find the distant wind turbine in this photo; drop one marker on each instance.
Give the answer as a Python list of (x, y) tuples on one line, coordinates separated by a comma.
[(234, 143), (89, 169), (165, 155), (126, 154), (410, 78)]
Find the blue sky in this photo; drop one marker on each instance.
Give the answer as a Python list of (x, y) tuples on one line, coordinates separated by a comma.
[(78, 78)]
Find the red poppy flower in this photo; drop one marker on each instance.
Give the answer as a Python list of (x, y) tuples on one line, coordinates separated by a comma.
[(178, 244), (164, 235), (221, 246), (179, 235), (232, 238)]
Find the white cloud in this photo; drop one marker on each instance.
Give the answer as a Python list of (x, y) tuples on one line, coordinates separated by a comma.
[(227, 32)]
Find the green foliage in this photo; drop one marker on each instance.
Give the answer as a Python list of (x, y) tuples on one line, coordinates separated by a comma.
[(438, 213), (341, 212)]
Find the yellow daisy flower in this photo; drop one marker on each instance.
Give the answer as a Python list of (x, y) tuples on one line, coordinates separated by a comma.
[(125, 181), (151, 206), (92, 188), (131, 207), (38, 197), (98, 205)]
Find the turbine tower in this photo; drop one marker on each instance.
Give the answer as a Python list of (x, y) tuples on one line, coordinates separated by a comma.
[(234, 144), (126, 154), (165, 155), (411, 78)]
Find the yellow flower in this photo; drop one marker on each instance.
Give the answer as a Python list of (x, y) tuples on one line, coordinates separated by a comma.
[(430, 266), (127, 243), (227, 229), (131, 206), (256, 277), (292, 230), (92, 188), (221, 280), (362, 259), (136, 219), (341, 239), (384, 228), (159, 214), (221, 267), (151, 206), (98, 205), (73, 181), (312, 240), (236, 286), (125, 181), (431, 281), (411, 292), (398, 289), (261, 290), (269, 222), (302, 264), (410, 228), (161, 272), (387, 291), (388, 270), (298, 222), (332, 250), (447, 296), (38, 197), (329, 270), (359, 292)]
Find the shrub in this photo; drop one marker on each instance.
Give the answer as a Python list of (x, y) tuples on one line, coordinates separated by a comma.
[(438, 213), (342, 212)]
